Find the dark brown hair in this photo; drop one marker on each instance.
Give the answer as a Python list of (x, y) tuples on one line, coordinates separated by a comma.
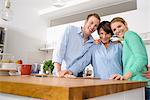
[(105, 25)]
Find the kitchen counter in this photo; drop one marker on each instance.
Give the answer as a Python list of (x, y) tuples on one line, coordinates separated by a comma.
[(63, 88)]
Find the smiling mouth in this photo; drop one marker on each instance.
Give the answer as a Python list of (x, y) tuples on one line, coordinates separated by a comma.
[(91, 30), (105, 40), (120, 34)]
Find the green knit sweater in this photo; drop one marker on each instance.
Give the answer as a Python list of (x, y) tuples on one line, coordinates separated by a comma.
[(135, 57)]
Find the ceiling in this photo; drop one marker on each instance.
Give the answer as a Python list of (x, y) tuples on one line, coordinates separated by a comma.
[(79, 10), (36, 4), (74, 10), (41, 5)]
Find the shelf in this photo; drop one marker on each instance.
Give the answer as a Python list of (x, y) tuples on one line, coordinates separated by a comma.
[(146, 41), (6, 54), (46, 49)]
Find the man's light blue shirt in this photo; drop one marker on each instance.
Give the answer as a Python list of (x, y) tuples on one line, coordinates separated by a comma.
[(71, 46), (105, 62)]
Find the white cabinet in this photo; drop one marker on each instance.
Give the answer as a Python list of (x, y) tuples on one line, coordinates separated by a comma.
[(53, 36)]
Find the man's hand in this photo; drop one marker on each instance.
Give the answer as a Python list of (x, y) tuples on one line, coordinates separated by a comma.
[(69, 76), (147, 74), (63, 73)]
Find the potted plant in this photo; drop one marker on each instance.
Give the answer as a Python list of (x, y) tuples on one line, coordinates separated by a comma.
[(48, 66)]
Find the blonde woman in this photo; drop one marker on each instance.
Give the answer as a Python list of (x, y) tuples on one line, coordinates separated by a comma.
[(135, 57)]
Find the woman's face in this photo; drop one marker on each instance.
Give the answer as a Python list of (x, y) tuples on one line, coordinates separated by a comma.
[(119, 28), (91, 25), (105, 38)]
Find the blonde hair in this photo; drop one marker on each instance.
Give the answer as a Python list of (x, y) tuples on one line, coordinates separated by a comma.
[(118, 19)]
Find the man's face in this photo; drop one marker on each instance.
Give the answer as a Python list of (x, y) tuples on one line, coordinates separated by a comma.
[(91, 25)]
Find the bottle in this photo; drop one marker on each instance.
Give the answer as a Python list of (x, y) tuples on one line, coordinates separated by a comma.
[(41, 69)]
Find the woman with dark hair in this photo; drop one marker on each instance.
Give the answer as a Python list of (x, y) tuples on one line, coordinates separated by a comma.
[(104, 57)]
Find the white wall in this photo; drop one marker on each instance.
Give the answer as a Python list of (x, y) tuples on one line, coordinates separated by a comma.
[(26, 33), (138, 20)]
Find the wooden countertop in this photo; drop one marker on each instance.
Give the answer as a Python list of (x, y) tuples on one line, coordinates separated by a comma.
[(63, 88)]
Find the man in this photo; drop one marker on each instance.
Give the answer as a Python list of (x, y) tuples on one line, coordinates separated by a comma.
[(147, 74), (74, 43)]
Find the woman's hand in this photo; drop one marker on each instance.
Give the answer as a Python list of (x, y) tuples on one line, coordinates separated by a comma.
[(116, 77), (120, 77), (127, 75)]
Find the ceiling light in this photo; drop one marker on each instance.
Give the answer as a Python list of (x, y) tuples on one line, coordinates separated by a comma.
[(59, 3)]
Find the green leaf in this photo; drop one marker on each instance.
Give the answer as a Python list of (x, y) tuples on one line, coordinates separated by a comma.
[(48, 64)]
